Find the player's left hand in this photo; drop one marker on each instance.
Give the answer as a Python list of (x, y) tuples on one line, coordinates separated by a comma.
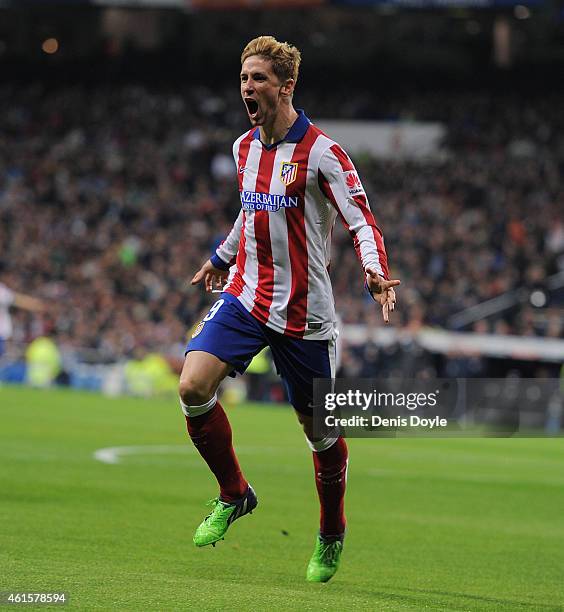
[(382, 291), (212, 276)]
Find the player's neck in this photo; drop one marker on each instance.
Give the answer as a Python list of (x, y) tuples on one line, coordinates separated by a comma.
[(274, 132)]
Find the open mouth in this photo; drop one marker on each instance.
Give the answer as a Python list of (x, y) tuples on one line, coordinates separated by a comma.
[(252, 107)]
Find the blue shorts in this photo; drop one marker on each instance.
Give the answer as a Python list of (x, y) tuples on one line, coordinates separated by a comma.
[(233, 335)]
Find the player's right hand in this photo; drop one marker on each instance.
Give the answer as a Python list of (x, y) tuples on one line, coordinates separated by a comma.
[(382, 292), (212, 276)]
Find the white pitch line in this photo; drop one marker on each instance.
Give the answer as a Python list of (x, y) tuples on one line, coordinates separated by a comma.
[(113, 454)]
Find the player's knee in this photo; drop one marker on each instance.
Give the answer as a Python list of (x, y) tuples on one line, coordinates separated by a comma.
[(308, 430), (318, 438), (307, 425), (194, 392)]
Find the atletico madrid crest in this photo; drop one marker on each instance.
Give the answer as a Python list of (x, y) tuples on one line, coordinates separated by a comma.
[(288, 172), (198, 328)]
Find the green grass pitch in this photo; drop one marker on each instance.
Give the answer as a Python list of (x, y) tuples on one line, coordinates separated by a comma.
[(433, 524)]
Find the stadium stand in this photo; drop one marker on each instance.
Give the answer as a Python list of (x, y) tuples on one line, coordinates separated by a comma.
[(111, 197)]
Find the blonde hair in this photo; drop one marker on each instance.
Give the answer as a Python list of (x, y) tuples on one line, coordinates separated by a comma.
[(285, 57)]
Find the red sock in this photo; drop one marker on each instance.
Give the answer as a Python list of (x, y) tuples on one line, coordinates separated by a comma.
[(330, 480), (211, 435)]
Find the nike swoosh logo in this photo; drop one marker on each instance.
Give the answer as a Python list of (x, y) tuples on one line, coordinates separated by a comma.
[(241, 169)]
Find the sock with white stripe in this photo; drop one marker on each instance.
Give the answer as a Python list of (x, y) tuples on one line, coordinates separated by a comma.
[(212, 436), (331, 481)]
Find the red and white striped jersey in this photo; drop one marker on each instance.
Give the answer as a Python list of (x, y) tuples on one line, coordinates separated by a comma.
[(280, 246)]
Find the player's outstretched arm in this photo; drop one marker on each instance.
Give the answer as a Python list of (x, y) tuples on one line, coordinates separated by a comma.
[(340, 183), (26, 302), (212, 276), (382, 291)]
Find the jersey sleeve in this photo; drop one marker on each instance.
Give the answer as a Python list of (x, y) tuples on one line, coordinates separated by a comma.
[(340, 183), (226, 252)]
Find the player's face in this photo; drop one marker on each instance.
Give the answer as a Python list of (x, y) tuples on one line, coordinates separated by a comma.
[(261, 90)]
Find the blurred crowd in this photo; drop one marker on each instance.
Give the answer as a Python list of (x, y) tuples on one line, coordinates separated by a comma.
[(111, 198)]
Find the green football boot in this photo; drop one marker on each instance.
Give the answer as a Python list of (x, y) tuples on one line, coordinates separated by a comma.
[(325, 559), (214, 526)]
